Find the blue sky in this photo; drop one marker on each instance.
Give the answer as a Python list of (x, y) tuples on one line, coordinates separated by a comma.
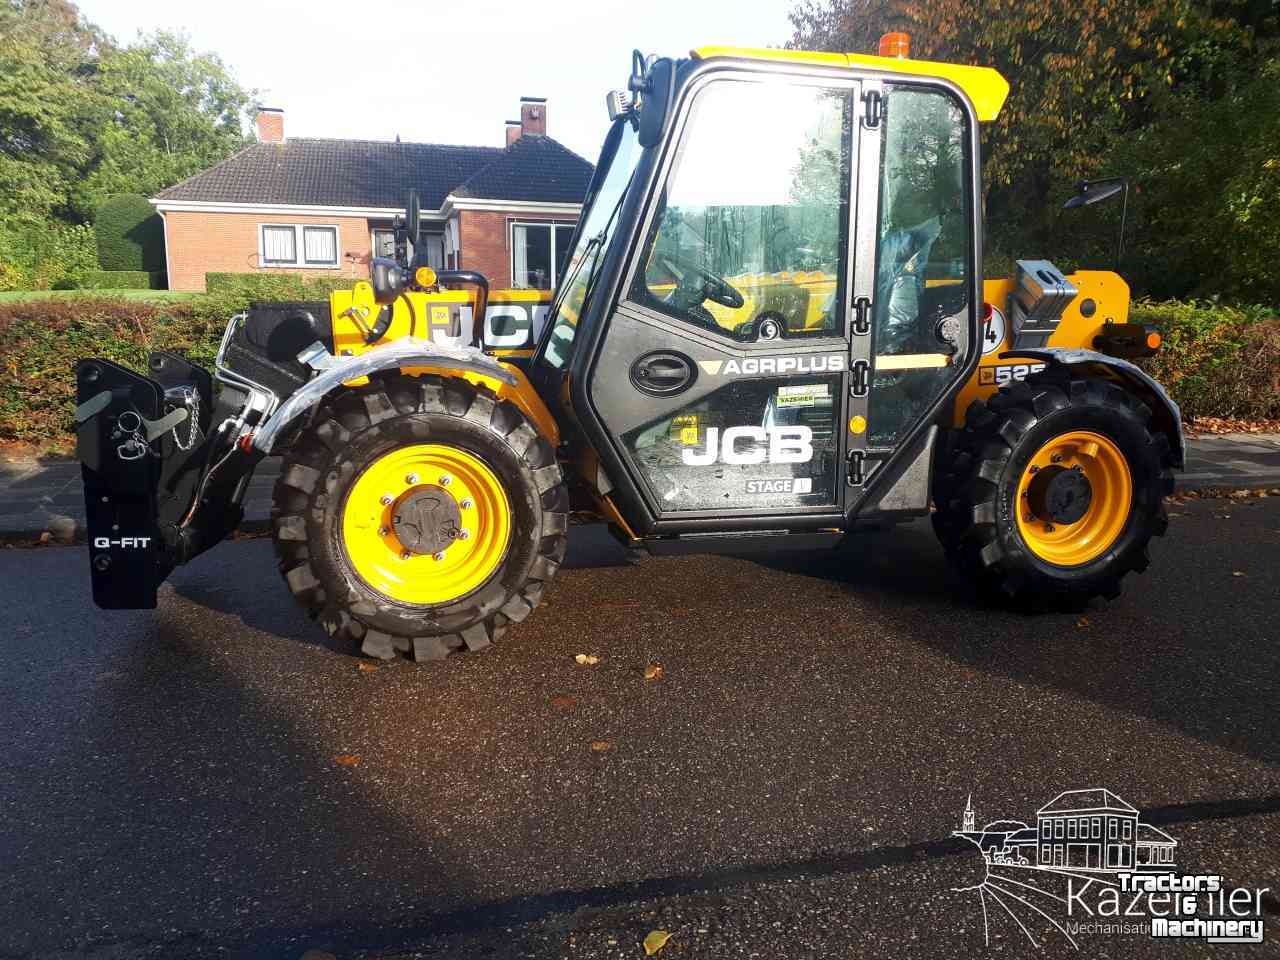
[(443, 73)]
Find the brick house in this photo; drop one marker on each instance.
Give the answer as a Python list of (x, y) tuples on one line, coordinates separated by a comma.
[(324, 207)]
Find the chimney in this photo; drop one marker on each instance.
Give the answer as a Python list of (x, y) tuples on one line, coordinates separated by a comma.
[(270, 125), (513, 131), (533, 116)]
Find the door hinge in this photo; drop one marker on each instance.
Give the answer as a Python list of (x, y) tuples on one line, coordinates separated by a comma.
[(862, 316), (861, 378), (856, 459), (873, 107)]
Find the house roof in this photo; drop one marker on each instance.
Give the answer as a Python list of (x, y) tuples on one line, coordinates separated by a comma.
[(1149, 834), (1027, 835), (374, 173), (532, 168), (1076, 800)]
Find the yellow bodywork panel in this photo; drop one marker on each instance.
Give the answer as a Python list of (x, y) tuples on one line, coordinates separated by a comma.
[(983, 85), (444, 313), (1110, 296)]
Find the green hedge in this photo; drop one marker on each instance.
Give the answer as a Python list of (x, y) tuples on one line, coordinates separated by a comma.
[(129, 233), (45, 256), (274, 286), (1217, 361), (119, 280)]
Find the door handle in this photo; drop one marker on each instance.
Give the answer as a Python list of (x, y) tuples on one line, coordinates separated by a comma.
[(662, 373)]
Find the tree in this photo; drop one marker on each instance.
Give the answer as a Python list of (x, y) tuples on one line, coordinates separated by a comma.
[(175, 112), (1173, 94), (49, 106)]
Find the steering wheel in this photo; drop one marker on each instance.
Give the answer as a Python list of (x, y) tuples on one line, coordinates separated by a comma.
[(696, 284)]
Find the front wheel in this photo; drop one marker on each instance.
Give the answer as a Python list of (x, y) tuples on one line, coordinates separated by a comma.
[(419, 515), (1053, 490)]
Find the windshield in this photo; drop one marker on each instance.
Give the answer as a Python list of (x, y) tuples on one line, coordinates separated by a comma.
[(600, 213)]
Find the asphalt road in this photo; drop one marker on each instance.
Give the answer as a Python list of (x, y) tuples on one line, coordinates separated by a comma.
[(170, 783)]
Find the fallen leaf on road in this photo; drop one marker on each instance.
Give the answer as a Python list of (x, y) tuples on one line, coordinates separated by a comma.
[(655, 941), (318, 955), (653, 672), (364, 667), (1238, 573), (1082, 622), (600, 746), (563, 702), (587, 659), (346, 759)]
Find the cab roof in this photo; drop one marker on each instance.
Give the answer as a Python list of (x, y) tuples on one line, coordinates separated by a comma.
[(983, 85)]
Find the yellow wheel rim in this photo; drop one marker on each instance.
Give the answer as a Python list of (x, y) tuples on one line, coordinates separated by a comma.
[(447, 491), (1110, 486)]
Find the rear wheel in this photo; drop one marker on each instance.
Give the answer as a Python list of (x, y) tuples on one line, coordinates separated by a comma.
[(419, 515), (1053, 489)]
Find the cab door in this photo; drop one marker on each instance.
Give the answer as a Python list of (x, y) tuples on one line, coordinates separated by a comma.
[(723, 377)]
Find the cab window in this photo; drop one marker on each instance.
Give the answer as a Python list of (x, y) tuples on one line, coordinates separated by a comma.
[(749, 235), (923, 256)]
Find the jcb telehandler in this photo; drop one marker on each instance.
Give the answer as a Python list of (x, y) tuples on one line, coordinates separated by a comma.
[(771, 330)]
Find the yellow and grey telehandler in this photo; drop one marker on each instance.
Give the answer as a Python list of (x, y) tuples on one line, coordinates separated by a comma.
[(771, 330)]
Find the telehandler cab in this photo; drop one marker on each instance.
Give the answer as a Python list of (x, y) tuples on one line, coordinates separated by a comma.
[(771, 331)]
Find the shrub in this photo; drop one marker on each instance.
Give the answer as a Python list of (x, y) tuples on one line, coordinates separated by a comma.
[(39, 256), (41, 340), (1216, 360), (130, 234), (274, 286), (119, 280)]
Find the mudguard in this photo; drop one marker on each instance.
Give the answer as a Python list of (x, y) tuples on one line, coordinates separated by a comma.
[(402, 352), (1164, 410)]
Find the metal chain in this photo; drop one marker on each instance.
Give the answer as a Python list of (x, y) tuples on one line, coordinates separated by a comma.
[(193, 412)]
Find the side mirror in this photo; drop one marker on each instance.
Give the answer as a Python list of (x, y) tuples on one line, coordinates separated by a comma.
[(413, 217), (657, 90), (387, 278)]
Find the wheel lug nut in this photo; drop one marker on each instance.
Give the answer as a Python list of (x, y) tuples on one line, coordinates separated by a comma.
[(1035, 469), (411, 478), (446, 480), (386, 500), (383, 531), (405, 554), (467, 504), (1048, 528), (464, 534), (1056, 458), (438, 556)]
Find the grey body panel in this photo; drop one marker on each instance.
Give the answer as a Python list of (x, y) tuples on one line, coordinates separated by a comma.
[(1076, 357), (404, 352)]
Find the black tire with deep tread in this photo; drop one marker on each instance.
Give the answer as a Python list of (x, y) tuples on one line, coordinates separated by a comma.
[(347, 432), (977, 482)]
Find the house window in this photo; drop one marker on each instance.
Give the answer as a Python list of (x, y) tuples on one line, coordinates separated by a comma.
[(279, 245), (1071, 828), (320, 246), (1045, 831), (1044, 853), (1111, 828), (1057, 828), (1128, 829), (298, 245), (538, 251), (1097, 827), (432, 244)]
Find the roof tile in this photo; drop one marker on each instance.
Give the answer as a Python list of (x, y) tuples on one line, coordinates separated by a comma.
[(371, 173)]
